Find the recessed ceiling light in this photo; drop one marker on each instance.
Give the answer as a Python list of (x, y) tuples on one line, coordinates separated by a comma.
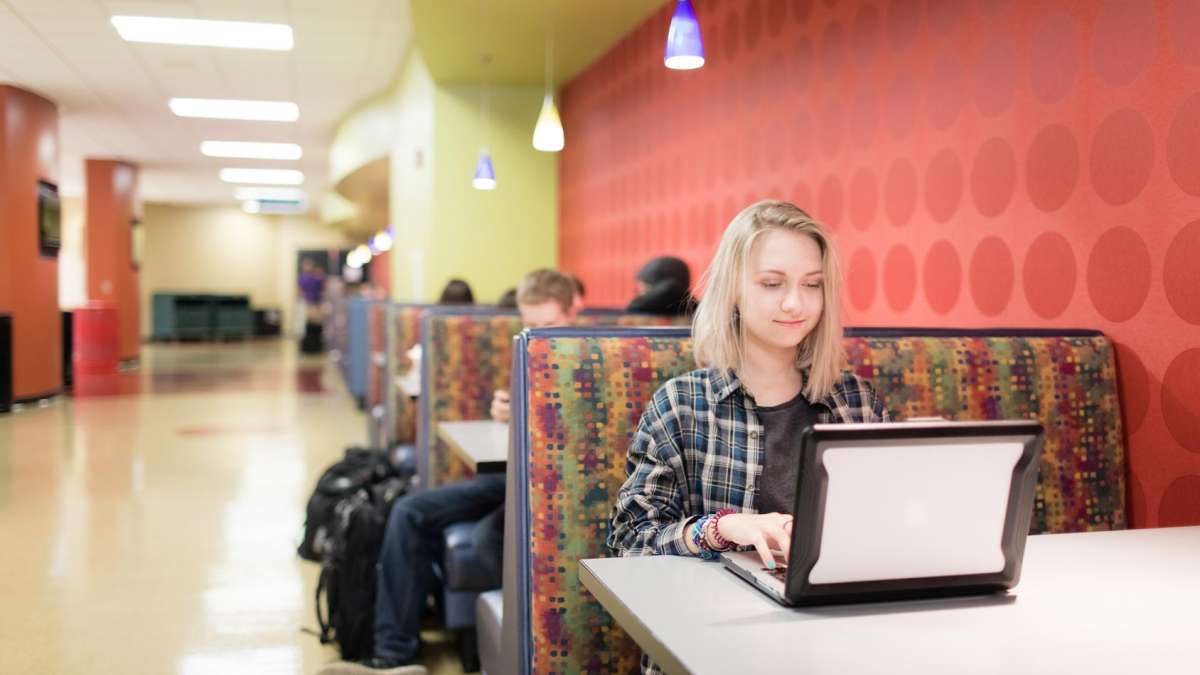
[(262, 176), (202, 33), (233, 109), (282, 194), (251, 150)]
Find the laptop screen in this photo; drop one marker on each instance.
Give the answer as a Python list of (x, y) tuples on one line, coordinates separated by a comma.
[(906, 509)]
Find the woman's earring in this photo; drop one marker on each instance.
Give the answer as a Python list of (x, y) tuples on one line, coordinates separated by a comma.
[(737, 316)]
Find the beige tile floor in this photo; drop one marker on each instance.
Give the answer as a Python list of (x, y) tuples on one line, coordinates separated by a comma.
[(151, 527)]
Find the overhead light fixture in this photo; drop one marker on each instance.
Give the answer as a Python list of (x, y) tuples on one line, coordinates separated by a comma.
[(242, 150), (485, 175), (381, 242), (283, 194), (273, 206), (233, 109), (361, 255), (548, 132), (263, 176), (204, 33), (685, 49)]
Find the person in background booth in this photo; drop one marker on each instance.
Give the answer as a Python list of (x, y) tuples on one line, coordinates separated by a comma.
[(457, 292), (508, 299), (544, 290), (664, 287), (713, 463), (413, 535), (580, 291)]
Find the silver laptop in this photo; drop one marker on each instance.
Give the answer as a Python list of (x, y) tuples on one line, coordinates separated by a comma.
[(905, 510)]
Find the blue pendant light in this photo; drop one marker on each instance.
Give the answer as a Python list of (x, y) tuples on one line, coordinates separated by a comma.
[(685, 49), (485, 175)]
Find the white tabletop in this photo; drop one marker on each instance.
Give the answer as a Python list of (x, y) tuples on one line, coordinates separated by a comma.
[(482, 444), (1125, 603)]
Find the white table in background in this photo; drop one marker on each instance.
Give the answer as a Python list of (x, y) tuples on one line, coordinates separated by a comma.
[(482, 444)]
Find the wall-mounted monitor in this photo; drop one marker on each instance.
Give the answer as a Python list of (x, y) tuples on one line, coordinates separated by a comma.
[(49, 219)]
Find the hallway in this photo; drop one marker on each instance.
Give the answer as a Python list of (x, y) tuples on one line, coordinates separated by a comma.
[(150, 524)]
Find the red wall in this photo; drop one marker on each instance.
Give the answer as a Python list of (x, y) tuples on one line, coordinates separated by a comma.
[(987, 163), (28, 280), (112, 203)]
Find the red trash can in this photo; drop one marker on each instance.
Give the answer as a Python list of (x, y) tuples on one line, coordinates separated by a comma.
[(97, 339)]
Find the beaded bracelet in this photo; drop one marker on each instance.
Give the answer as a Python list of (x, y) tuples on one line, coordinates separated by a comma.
[(714, 532), (698, 533), (702, 548)]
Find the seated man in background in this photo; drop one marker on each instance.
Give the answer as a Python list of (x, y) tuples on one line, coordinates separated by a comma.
[(413, 538)]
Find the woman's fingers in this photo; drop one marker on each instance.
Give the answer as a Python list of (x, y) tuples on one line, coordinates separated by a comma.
[(781, 539), (764, 551)]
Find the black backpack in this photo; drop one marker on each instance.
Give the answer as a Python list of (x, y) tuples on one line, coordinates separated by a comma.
[(347, 582), (361, 467)]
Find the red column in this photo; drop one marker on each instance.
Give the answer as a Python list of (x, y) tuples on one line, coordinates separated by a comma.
[(29, 276), (112, 205)]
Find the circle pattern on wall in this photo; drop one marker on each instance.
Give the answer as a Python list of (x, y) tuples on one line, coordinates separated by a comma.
[(1181, 399), (1054, 47), (1052, 167), (943, 276), (1183, 146), (1122, 156), (1119, 274), (899, 278), (1048, 275), (991, 276), (1181, 274), (1179, 502)]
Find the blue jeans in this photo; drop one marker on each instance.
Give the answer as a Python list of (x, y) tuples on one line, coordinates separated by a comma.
[(411, 545)]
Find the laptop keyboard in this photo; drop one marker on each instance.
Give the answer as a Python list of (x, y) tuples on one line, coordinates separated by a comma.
[(780, 572)]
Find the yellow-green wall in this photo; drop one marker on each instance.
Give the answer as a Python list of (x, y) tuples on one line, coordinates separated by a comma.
[(492, 238), (443, 227), (411, 176)]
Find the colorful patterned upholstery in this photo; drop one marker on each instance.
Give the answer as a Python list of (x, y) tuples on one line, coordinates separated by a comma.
[(585, 396), (1065, 380), (466, 356), (586, 390), (406, 327)]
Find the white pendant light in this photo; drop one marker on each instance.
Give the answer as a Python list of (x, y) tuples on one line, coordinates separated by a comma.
[(548, 132)]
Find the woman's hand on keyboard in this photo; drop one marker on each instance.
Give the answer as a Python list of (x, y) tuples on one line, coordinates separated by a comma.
[(763, 531)]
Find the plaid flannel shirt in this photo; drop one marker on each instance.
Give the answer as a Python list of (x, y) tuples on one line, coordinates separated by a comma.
[(699, 448)]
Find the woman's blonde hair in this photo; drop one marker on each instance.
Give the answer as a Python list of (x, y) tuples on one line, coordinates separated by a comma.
[(716, 328)]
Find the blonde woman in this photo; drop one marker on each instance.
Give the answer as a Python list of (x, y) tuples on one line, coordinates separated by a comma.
[(713, 463)]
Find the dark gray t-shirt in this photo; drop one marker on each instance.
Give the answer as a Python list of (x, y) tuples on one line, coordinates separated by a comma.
[(782, 425)]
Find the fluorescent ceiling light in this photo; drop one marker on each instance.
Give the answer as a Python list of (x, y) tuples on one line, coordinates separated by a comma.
[(268, 193), (232, 109), (202, 33), (242, 150), (262, 176), (270, 207)]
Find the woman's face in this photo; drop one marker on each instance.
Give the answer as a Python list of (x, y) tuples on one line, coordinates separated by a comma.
[(782, 294)]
